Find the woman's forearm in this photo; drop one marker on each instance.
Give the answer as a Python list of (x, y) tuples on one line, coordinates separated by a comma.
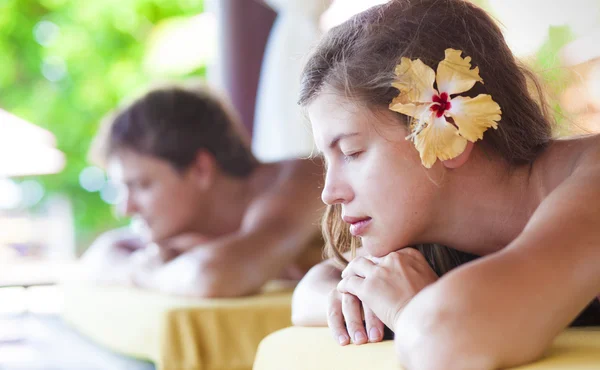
[(309, 303), (497, 312)]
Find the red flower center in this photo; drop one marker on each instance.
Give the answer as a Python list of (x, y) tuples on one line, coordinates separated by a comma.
[(442, 104)]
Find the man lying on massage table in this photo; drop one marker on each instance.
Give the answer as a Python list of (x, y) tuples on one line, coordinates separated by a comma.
[(218, 222)]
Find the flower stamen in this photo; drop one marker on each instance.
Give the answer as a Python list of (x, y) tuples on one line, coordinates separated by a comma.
[(441, 104)]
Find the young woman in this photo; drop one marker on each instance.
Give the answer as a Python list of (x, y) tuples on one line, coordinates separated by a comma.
[(399, 98)]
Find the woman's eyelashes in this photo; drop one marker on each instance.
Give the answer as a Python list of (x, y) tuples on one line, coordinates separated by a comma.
[(348, 157)]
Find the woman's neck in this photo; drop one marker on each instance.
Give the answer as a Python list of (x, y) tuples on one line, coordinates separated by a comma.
[(486, 204)]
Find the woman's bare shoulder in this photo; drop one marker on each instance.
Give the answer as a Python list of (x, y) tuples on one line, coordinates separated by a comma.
[(591, 150), (571, 156), (590, 154), (571, 175)]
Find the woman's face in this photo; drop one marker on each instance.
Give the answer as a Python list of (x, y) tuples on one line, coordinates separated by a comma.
[(375, 174)]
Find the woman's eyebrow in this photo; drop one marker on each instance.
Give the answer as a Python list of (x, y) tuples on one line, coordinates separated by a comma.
[(339, 137)]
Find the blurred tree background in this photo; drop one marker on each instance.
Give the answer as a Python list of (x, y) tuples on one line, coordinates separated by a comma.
[(65, 64)]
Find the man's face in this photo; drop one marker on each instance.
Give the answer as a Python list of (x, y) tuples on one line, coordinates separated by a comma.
[(168, 201)]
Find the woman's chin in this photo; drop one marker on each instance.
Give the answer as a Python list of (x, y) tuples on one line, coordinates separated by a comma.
[(374, 247)]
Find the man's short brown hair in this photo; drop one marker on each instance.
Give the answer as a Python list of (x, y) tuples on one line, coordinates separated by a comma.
[(175, 122)]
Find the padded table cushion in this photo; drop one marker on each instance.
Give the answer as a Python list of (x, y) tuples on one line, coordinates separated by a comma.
[(298, 348), (178, 333)]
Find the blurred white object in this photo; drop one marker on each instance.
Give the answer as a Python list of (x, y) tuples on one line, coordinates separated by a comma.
[(583, 49), (26, 149), (181, 45), (342, 10), (60, 229), (526, 22), (280, 128)]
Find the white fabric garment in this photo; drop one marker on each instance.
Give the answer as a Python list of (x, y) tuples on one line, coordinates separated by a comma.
[(281, 129)]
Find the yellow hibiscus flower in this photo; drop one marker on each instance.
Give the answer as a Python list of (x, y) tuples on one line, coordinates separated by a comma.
[(434, 136)]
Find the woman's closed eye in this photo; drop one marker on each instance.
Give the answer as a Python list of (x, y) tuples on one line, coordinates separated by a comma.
[(350, 156)]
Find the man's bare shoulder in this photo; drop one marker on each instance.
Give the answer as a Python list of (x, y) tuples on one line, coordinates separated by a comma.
[(291, 192), (302, 168), (296, 176)]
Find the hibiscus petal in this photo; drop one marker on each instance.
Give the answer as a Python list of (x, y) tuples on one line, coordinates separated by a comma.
[(439, 140), (474, 116), (454, 73), (415, 80), (414, 110)]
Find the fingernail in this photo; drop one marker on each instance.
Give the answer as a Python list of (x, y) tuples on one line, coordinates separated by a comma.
[(374, 334), (342, 339), (359, 337)]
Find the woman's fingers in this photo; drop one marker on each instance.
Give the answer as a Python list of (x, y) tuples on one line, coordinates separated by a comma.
[(352, 285), (352, 310), (359, 266), (335, 318), (374, 325)]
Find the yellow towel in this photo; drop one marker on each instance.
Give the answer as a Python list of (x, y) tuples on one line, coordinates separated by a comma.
[(299, 348), (178, 333)]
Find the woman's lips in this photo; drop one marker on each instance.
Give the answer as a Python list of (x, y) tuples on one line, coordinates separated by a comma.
[(358, 226)]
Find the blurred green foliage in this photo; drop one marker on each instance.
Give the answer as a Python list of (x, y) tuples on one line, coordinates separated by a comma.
[(93, 52), (548, 67), (556, 77)]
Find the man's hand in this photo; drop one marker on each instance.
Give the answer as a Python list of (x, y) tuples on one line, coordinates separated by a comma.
[(183, 243), (386, 284), (177, 276), (107, 260)]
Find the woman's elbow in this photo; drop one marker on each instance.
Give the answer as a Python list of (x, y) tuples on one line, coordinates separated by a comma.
[(302, 315), (309, 301), (298, 319), (300, 312)]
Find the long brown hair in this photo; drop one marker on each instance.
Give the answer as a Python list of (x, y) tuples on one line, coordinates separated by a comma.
[(357, 59)]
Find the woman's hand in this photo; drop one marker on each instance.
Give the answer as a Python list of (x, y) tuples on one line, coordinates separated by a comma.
[(345, 319), (386, 284)]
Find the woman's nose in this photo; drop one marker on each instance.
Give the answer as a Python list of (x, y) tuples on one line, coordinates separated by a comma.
[(336, 190)]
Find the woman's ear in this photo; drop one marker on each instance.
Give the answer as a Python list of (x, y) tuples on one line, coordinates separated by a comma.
[(461, 159)]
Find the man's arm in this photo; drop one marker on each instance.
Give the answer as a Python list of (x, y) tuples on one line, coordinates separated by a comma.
[(275, 230), (506, 308)]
